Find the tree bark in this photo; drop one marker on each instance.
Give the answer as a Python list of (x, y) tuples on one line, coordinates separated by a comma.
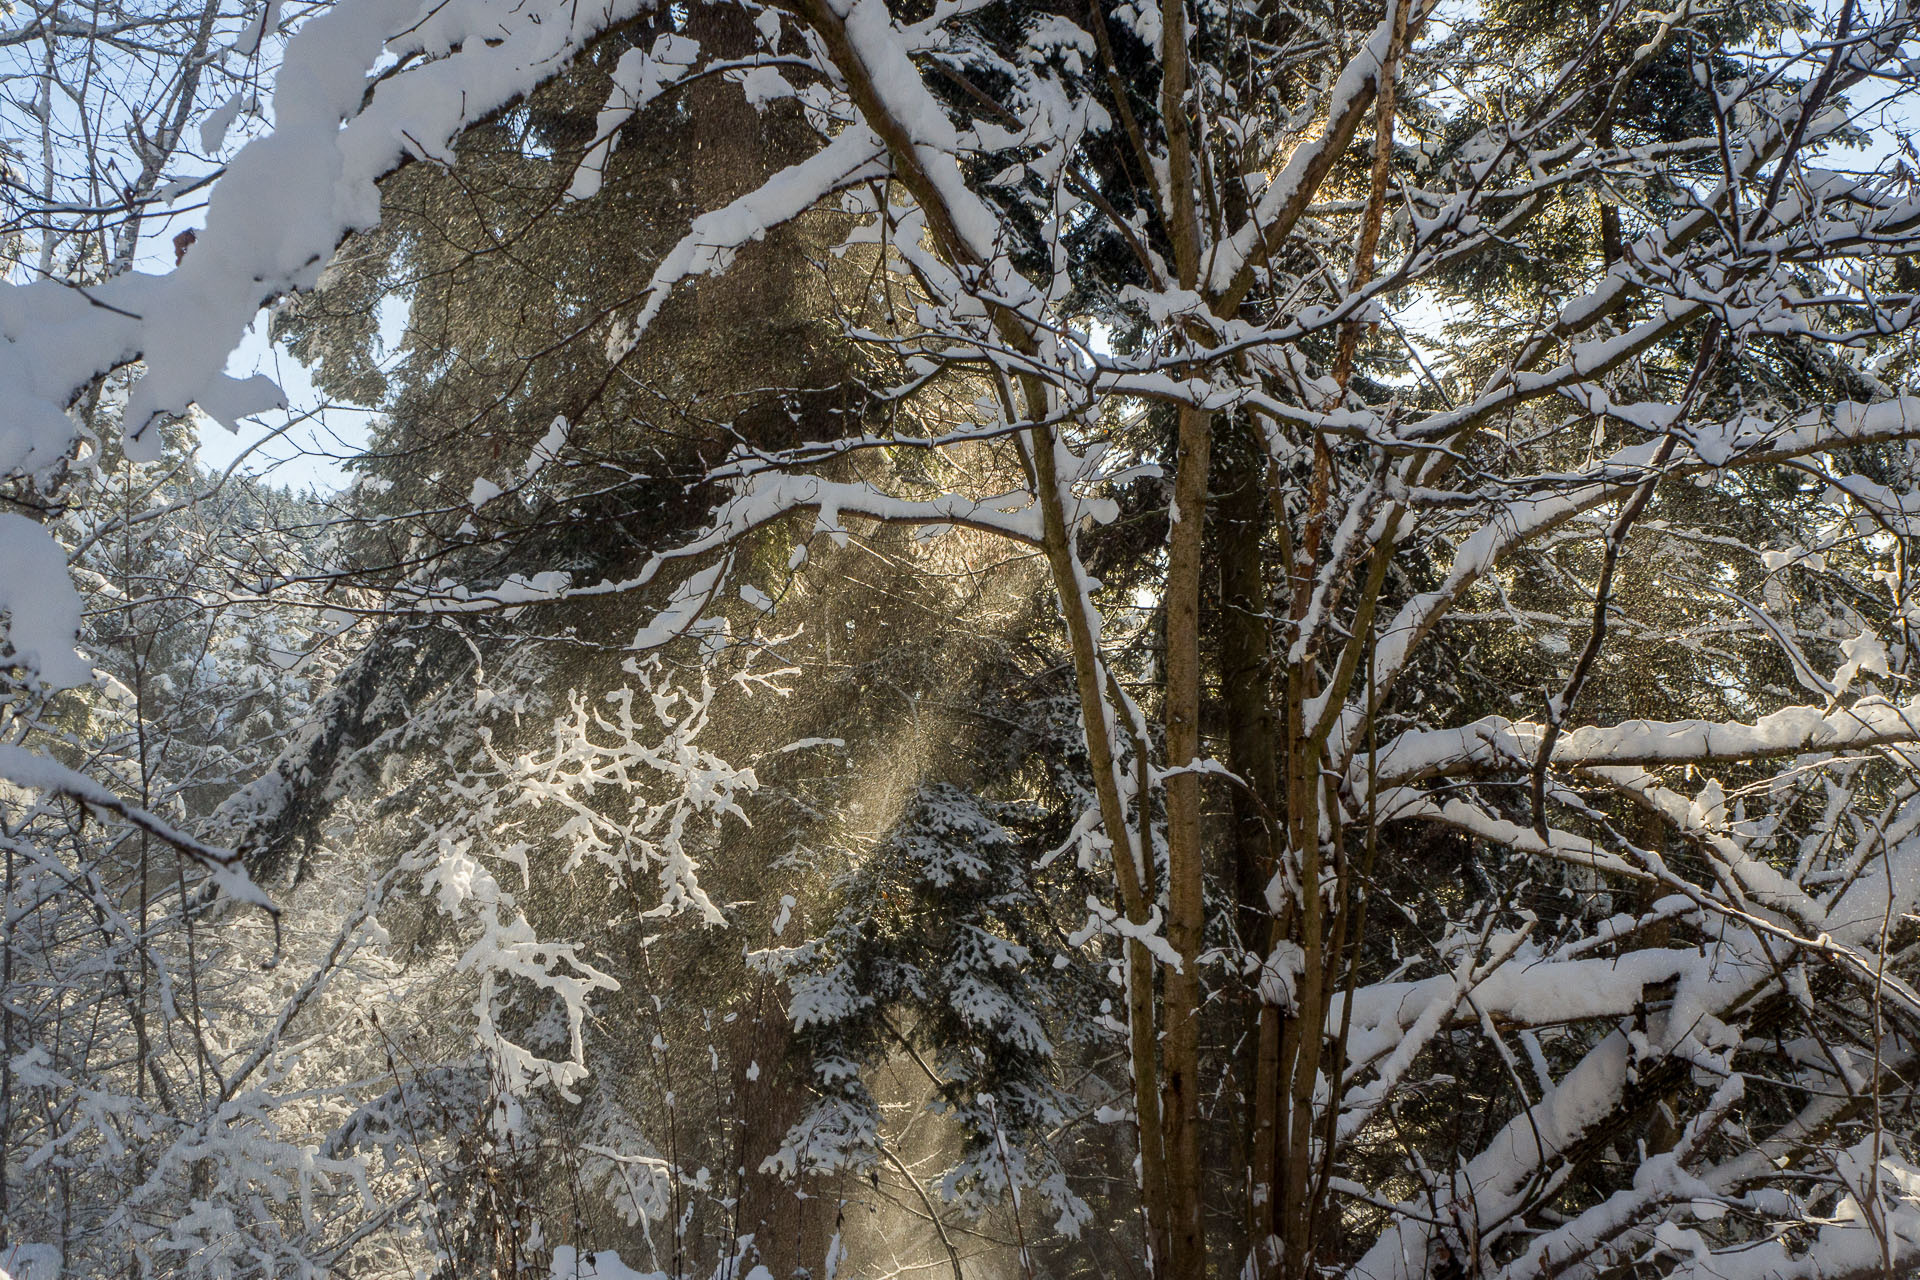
[(1186, 906), (1246, 688)]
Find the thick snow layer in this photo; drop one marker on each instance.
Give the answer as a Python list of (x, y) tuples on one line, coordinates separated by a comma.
[(1495, 742), (1534, 992), (43, 613)]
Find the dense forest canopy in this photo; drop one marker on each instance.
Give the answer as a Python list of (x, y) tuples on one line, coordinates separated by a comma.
[(1190, 639)]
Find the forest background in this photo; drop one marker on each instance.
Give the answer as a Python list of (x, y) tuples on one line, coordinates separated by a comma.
[(1202, 638)]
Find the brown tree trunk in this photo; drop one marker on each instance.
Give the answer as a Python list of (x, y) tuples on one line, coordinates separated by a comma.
[(1246, 668), (1186, 894), (1186, 907), (1246, 689), (1132, 864)]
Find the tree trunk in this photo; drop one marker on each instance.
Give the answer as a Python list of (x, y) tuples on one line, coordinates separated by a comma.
[(1186, 907), (1246, 686)]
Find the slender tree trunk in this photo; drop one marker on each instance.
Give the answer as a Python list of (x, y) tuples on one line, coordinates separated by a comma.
[(1301, 1042), (1186, 892), (1246, 668), (1186, 907), (1132, 862), (1610, 243), (1246, 692)]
